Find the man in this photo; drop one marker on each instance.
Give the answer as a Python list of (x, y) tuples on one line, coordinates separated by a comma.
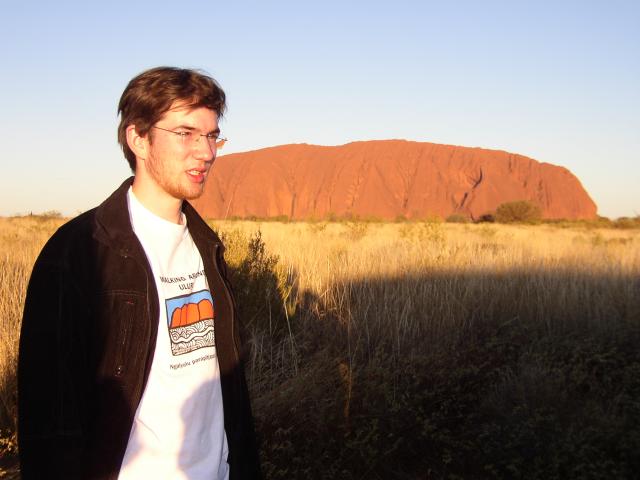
[(129, 363)]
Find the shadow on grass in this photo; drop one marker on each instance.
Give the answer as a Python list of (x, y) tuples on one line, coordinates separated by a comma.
[(522, 374), (518, 374)]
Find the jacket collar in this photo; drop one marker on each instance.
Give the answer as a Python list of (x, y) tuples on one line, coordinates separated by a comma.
[(114, 223)]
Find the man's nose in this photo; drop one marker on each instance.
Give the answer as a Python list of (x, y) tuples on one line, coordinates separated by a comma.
[(204, 149)]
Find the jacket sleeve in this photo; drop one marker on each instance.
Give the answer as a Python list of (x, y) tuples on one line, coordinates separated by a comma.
[(50, 429), (223, 269)]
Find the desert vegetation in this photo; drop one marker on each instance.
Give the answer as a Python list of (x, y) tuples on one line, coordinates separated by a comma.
[(518, 212), (419, 349)]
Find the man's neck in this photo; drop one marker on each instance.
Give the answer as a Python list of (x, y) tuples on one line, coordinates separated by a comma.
[(157, 201)]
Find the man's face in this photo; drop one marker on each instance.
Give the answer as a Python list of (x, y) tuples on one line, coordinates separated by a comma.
[(179, 167)]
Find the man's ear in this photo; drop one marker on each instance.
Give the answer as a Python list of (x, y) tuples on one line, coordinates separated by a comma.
[(139, 145)]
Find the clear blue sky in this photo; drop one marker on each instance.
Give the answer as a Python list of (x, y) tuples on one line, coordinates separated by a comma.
[(558, 81)]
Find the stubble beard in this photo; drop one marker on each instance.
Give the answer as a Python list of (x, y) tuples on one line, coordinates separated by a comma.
[(172, 186)]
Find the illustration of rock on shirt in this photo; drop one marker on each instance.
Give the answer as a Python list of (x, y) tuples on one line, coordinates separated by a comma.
[(190, 320)]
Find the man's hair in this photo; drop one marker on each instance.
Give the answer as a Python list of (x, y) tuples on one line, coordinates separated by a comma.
[(152, 93)]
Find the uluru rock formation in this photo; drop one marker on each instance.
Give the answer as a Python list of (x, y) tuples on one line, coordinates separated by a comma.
[(386, 179)]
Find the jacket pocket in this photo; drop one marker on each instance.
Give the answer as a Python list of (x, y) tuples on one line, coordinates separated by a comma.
[(115, 317)]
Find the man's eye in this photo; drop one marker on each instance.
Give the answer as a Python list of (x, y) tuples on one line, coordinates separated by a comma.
[(184, 135), (212, 136)]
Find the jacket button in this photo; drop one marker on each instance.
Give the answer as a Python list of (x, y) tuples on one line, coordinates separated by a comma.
[(119, 370)]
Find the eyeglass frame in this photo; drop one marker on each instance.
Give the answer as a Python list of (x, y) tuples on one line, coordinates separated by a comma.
[(185, 136)]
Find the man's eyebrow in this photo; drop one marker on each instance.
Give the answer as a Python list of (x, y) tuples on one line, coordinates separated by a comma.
[(186, 127), (192, 129)]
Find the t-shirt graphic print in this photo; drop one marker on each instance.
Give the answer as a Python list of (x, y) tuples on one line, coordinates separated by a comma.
[(190, 319)]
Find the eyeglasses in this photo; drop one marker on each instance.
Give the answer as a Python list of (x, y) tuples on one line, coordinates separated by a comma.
[(191, 137)]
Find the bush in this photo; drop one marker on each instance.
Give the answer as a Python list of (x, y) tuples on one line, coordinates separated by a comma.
[(521, 211), (457, 218), (252, 272), (627, 222), (486, 218)]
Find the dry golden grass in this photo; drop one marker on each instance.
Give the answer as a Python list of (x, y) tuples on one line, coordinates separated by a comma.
[(331, 259), (20, 242), (398, 288), (322, 251), (328, 260)]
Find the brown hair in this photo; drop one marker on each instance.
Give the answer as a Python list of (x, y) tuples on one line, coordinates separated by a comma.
[(149, 95)]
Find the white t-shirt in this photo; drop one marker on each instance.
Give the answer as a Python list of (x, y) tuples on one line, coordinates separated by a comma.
[(178, 431)]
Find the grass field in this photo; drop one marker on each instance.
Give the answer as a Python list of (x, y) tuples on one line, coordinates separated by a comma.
[(419, 350)]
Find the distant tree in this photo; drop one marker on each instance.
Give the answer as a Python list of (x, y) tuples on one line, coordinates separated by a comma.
[(521, 211)]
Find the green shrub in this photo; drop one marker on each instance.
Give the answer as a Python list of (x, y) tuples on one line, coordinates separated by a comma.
[(521, 211)]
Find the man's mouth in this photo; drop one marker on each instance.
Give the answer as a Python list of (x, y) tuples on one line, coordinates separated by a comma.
[(197, 175)]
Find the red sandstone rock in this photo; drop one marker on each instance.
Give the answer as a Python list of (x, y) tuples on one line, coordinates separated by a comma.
[(386, 179)]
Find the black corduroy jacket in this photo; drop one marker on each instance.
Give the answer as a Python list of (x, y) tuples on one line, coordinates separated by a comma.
[(87, 343)]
